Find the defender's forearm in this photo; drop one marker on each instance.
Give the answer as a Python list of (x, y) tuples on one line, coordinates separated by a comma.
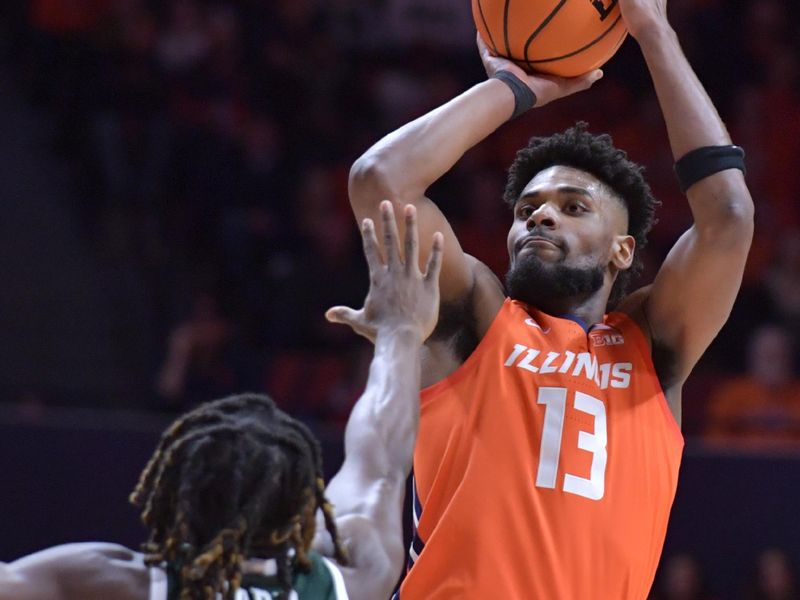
[(383, 424), (407, 161)]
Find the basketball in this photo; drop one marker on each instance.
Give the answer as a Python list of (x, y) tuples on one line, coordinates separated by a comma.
[(566, 39)]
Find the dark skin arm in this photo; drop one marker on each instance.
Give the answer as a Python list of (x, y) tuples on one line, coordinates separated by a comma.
[(693, 293), (76, 572), (400, 312), (406, 162)]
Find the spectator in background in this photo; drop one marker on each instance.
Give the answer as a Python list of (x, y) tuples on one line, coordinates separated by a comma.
[(66, 61), (192, 129), (762, 407), (770, 294), (774, 578), (783, 283), (484, 220), (323, 269), (681, 579), (198, 365), (184, 44), (131, 135)]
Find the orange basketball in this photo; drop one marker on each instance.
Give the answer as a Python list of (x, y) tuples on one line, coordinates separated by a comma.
[(560, 37)]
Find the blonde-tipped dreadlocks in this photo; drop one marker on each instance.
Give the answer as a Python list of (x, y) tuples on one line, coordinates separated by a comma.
[(233, 479)]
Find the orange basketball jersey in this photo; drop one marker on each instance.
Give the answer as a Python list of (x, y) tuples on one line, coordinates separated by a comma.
[(545, 466)]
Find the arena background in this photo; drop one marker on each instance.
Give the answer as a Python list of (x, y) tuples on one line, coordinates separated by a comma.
[(175, 221)]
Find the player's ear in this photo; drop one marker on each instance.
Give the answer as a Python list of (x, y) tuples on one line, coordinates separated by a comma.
[(622, 252)]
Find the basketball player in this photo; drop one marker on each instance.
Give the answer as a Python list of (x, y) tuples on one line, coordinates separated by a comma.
[(549, 443), (231, 492)]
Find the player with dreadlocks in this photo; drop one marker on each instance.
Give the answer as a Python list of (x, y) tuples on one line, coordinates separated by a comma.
[(233, 496), (209, 505), (549, 443)]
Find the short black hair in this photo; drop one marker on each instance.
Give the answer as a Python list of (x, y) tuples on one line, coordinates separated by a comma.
[(597, 155)]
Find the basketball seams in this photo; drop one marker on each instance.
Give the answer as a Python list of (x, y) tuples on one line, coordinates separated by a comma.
[(538, 30), (486, 27), (505, 27), (551, 36), (586, 47)]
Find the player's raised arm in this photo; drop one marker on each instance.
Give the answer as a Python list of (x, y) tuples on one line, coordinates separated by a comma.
[(399, 313), (402, 165), (694, 291)]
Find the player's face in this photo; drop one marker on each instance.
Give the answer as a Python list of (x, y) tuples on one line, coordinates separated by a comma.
[(565, 235)]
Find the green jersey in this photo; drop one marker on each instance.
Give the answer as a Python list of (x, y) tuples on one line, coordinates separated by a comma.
[(260, 582)]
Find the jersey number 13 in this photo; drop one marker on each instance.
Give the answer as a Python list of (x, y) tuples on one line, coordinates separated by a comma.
[(555, 402)]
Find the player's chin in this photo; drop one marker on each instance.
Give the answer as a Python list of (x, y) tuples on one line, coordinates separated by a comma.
[(540, 253)]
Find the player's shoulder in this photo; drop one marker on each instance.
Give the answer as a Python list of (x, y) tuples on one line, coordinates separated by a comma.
[(664, 357), (99, 569), (464, 319), (463, 322), (634, 307), (81, 570), (487, 295)]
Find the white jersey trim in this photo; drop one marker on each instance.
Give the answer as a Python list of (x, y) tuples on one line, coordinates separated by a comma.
[(158, 584), (338, 579)]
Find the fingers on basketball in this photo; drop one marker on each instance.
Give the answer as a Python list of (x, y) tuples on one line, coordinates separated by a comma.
[(567, 39)]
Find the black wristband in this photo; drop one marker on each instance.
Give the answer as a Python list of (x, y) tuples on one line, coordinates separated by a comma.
[(702, 162), (524, 98)]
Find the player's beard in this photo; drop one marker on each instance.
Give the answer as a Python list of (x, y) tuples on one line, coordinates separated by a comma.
[(551, 286)]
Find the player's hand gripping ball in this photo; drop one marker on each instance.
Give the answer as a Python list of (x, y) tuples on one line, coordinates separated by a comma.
[(562, 37)]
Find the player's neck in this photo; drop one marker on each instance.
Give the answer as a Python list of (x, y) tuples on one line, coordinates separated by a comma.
[(587, 311)]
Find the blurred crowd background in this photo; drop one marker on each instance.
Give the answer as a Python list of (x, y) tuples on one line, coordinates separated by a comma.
[(175, 213)]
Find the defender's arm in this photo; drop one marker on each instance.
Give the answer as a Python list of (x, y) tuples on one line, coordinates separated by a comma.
[(693, 293), (400, 312), (402, 165), (76, 572)]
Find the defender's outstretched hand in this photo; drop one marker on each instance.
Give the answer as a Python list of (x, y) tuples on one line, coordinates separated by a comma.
[(546, 87), (400, 295), (400, 311)]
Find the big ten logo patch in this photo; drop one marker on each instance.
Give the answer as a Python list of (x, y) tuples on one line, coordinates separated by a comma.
[(606, 338)]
